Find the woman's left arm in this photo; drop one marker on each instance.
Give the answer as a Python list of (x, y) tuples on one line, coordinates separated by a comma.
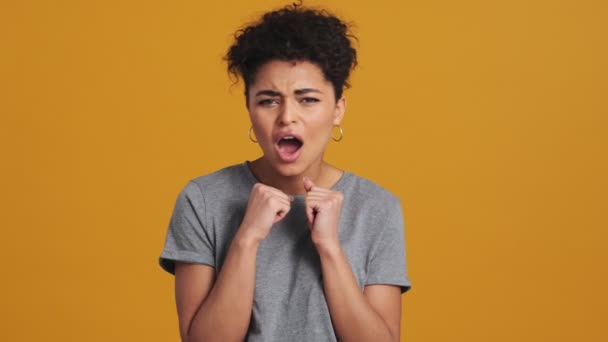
[(371, 315)]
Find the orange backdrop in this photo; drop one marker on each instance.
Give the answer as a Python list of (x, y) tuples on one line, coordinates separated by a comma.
[(487, 118)]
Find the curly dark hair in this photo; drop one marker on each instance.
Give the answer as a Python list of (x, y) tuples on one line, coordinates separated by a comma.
[(294, 33)]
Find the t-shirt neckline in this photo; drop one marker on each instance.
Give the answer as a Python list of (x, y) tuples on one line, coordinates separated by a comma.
[(338, 186)]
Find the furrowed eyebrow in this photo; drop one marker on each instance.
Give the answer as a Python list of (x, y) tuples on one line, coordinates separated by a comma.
[(268, 93), (274, 93), (306, 91)]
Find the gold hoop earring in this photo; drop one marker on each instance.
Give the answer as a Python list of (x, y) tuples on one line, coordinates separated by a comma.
[(341, 134), (250, 137)]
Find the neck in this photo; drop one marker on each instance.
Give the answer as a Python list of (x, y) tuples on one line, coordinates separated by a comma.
[(321, 173)]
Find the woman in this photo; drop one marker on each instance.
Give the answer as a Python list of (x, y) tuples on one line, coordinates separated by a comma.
[(288, 247)]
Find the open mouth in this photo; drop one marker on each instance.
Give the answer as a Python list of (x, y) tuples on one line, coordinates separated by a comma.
[(289, 147)]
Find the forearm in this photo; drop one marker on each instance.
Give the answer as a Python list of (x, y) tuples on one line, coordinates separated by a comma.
[(225, 313), (353, 317)]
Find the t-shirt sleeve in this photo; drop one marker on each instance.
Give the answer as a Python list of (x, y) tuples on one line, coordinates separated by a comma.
[(187, 238), (387, 264)]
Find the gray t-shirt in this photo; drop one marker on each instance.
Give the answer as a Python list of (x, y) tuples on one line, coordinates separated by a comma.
[(289, 303)]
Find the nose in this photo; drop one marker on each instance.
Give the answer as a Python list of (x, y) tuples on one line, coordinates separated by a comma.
[(288, 114)]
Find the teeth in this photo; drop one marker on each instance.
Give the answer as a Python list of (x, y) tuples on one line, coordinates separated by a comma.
[(289, 137)]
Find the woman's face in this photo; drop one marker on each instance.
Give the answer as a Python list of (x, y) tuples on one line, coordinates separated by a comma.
[(293, 109)]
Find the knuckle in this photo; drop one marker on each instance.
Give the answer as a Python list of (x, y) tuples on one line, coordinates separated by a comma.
[(258, 188)]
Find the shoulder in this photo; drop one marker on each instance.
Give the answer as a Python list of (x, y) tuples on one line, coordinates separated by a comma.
[(219, 181), (224, 181), (361, 187), (369, 193)]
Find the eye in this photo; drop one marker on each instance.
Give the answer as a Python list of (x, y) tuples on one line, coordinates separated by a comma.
[(268, 102), (310, 100)]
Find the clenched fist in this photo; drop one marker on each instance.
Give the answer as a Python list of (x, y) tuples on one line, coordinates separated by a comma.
[(323, 209), (266, 206)]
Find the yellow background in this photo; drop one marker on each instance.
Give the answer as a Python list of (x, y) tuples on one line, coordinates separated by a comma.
[(487, 118)]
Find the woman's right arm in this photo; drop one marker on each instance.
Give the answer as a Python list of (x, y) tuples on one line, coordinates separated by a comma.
[(219, 309)]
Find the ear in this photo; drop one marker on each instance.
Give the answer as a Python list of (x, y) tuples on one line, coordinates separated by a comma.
[(339, 110)]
